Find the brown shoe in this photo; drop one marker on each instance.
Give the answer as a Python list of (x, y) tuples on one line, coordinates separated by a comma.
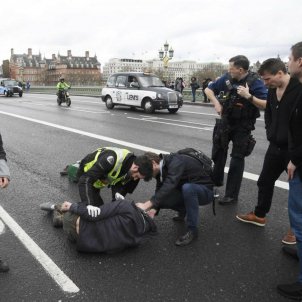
[(289, 238), (252, 218)]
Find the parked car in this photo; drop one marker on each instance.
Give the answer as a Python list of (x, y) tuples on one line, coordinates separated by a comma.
[(140, 90), (9, 87)]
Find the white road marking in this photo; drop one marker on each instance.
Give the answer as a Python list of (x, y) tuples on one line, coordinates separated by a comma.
[(247, 175), (52, 269), (173, 124), (2, 227)]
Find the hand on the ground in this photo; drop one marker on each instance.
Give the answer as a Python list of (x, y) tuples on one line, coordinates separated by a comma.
[(93, 211), (4, 181), (144, 205), (152, 213), (65, 206)]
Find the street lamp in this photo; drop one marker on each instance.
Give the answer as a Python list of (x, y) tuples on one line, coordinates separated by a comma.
[(166, 55)]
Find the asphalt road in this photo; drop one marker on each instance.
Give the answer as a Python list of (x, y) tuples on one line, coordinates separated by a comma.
[(230, 261)]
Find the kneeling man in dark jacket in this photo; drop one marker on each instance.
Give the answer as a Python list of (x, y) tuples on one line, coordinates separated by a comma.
[(109, 228), (182, 185)]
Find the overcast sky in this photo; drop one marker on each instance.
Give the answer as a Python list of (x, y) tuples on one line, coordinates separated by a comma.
[(200, 30)]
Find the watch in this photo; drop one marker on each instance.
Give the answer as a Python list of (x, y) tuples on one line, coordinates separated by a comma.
[(250, 99)]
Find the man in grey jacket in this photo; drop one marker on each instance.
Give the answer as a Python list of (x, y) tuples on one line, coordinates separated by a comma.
[(4, 181)]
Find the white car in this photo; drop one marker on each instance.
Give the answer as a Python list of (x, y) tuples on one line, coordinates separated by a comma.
[(141, 90)]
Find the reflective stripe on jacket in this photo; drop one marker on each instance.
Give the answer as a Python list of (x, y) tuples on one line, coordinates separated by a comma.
[(112, 177)]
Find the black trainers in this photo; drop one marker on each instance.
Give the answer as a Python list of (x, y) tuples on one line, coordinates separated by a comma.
[(180, 217), (290, 251), (64, 172), (3, 266), (292, 291), (227, 200), (186, 239)]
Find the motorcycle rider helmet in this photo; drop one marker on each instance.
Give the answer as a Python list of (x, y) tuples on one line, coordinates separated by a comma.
[(61, 79)]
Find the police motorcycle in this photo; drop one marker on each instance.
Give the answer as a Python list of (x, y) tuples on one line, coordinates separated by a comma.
[(63, 97)]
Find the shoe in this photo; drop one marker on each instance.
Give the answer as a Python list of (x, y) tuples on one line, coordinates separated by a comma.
[(227, 200), (47, 206), (289, 238), (57, 219), (292, 291), (64, 171), (3, 266), (252, 218), (186, 239), (180, 217), (290, 251)]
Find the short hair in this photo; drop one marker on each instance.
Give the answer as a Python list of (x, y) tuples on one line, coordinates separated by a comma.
[(272, 66), (240, 62), (297, 50), (153, 156), (145, 166)]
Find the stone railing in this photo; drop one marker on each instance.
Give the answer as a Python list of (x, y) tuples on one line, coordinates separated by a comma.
[(96, 91)]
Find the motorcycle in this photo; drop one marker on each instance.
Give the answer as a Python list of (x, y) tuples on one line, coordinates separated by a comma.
[(63, 97)]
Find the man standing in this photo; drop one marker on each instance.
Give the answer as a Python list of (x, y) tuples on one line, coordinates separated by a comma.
[(243, 93), (283, 93), (294, 290), (182, 184), (194, 86), (4, 182)]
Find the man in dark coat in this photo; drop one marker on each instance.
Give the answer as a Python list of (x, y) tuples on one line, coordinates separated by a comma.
[(111, 227), (294, 168), (182, 184)]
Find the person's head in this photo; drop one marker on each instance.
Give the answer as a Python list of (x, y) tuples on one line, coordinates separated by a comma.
[(141, 168), (238, 67), (273, 72), (61, 79), (193, 79), (295, 61)]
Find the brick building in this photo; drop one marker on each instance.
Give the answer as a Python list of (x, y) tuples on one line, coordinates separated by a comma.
[(42, 71)]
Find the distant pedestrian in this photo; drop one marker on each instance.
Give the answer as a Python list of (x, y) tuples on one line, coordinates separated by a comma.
[(27, 86), (4, 182), (194, 86), (205, 84)]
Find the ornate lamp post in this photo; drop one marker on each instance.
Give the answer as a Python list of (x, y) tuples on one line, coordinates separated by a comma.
[(166, 55)]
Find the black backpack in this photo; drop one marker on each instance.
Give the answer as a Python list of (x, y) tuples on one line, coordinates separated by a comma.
[(205, 161)]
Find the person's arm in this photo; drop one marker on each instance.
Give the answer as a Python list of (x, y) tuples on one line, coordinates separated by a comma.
[(211, 96), (4, 170), (98, 171)]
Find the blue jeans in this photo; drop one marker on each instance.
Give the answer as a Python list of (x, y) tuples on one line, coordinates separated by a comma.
[(193, 95), (295, 214), (195, 195)]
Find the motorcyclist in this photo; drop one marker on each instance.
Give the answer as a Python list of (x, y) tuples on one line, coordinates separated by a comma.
[(61, 86)]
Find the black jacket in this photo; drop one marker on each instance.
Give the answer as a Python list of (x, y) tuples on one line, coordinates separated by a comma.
[(277, 113), (178, 169), (121, 224), (99, 171), (295, 135)]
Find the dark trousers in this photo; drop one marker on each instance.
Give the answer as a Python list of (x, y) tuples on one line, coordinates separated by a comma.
[(187, 201), (275, 162), (193, 95), (239, 136)]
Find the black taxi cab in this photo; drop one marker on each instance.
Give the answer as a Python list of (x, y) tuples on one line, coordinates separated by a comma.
[(140, 90)]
